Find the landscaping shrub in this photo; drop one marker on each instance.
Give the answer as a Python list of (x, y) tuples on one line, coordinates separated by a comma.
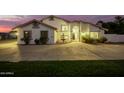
[(37, 41), (43, 40), (102, 40), (87, 39), (26, 40)]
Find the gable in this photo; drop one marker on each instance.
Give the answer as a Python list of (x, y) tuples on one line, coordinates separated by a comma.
[(31, 27), (33, 24), (52, 17), (55, 22)]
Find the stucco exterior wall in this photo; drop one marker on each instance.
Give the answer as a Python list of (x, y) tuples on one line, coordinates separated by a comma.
[(96, 29), (58, 23), (55, 23), (36, 33), (20, 35), (85, 29)]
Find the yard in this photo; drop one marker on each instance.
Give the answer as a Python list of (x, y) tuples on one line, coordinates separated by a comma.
[(73, 59), (63, 68), (10, 51)]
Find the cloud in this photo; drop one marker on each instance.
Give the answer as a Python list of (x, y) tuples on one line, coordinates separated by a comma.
[(13, 17), (9, 21), (5, 28)]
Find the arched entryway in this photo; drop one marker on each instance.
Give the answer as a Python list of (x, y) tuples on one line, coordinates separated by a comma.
[(75, 33)]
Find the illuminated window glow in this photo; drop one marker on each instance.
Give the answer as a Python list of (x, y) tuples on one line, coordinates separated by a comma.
[(94, 35), (64, 28)]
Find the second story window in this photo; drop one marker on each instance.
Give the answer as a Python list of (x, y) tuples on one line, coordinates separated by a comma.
[(64, 28), (35, 25)]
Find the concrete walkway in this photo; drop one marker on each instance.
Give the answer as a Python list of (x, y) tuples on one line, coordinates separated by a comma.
[(10, 51)]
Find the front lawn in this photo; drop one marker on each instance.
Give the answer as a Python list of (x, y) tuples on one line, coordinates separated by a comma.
[(63, 68)]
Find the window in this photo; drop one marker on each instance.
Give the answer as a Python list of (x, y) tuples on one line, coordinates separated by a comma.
[(44, 34), (94, 35), (75, 29), (64, 28), (44, 37), (35, 25), (27, 34)]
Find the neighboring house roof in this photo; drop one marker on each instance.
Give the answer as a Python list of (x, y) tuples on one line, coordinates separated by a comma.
[(55, 17), (34, 20)]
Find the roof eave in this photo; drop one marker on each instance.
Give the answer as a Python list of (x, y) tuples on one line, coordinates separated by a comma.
[(21, 25)]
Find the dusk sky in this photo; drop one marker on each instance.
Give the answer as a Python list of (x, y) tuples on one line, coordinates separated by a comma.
[(7, 22)]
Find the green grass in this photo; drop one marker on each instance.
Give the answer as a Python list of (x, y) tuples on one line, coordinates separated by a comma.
[(64, 68)]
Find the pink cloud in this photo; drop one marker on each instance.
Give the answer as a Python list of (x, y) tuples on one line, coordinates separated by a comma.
[(5, 28), (9, 21)]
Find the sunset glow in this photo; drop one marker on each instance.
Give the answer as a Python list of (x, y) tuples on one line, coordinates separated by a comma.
[(5, 28), (9, 21)]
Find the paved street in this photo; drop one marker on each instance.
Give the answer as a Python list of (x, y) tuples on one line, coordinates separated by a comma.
[(10, 51)]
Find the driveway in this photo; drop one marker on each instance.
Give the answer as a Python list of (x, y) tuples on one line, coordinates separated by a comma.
[(10, 51)]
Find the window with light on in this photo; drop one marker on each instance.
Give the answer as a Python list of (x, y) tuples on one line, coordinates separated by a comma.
[(94, 35), (64, 28)]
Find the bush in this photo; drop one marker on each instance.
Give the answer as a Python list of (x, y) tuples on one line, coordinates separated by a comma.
[(89, 40), (102, 40), (26, 40), (37, 41), (92, 40), (43, 40)]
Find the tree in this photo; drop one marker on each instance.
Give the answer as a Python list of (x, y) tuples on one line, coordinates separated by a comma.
[(119, 19), (114, 27), (100, 23)]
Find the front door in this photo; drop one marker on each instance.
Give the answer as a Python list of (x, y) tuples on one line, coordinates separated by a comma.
[(73, 36), (44, 37), (75, 33)]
